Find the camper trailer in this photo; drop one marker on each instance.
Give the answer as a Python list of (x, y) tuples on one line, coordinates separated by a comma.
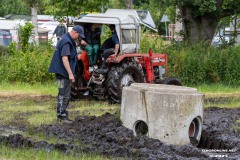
[(9, 30)]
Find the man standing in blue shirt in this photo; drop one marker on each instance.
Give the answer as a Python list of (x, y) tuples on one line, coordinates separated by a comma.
[(59, 30), (111, 47), (63, 64)]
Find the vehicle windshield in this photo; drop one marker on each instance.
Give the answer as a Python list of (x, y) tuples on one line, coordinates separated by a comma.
[(146, 18)]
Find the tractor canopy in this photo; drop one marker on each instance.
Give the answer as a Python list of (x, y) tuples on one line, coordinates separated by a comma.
[(127, 24)]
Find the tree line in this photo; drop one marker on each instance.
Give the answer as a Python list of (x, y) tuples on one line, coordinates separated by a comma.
[(200, 18)]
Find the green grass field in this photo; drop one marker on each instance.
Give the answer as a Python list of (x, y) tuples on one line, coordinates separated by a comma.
[(51, 88)]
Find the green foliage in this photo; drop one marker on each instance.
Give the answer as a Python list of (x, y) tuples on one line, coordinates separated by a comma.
[(106, 33), (171, 12), (60, 8), (141, 3), (25, 33), (232, 5), (32, 3), (202, 64), (118, 4), (202, 7), (13, 48), (198, 64), (155, 43), (26, 66), (13, 7), (3, 50), (194, 65)]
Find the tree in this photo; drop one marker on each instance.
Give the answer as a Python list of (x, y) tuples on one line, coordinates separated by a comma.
[(118, 4), (13, 7), (156, 8), (139, 3), (64, 8), (200, 18), (129, 4), (34, 4), (25, 33)]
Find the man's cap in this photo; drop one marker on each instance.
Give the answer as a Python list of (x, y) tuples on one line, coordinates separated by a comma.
[(79, 30)]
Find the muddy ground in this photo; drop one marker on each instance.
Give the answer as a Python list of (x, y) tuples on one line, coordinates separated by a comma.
[(106, 136)]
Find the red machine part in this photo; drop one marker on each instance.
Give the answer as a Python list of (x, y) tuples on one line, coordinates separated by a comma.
[(147, 61), (149, 69), (84, 57), (150, 52)]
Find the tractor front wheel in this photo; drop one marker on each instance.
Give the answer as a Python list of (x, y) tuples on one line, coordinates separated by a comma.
[(172, 81), (120, 76)]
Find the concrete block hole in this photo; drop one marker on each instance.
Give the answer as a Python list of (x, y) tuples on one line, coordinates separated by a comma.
[(195, 130), (140, 128)]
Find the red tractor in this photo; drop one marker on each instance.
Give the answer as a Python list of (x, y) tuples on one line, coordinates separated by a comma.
[(129, 66)]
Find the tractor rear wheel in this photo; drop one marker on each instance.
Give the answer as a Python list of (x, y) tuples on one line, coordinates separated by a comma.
[(120, 76), (172, 81)]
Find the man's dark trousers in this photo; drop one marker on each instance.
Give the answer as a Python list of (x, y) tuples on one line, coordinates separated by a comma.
[(64, 94)]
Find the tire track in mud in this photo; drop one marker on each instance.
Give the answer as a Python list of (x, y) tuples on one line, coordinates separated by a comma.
[(219, 131), (105, 135)]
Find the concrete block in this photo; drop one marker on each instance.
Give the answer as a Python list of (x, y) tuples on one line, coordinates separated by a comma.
[(172, 114)]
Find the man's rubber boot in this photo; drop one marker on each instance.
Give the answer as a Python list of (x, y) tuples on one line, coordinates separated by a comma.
[(64, 119)]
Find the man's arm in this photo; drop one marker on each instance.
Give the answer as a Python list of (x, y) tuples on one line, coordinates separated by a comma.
[(65, 29), (116, 42), (54, 32), (67, 66), (116, 49)]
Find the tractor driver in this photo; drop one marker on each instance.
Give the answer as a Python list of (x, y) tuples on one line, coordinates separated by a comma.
[(92, 34), (110, 47)]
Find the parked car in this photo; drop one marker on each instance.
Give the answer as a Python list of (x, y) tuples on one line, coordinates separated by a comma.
[(219, 40)]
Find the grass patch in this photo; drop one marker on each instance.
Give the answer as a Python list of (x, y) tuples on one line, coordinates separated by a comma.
[(220, 95), (34, 113), (23, 154), (218, 90), (210, 90), (230, 103), (93, 108), (25, 88)]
